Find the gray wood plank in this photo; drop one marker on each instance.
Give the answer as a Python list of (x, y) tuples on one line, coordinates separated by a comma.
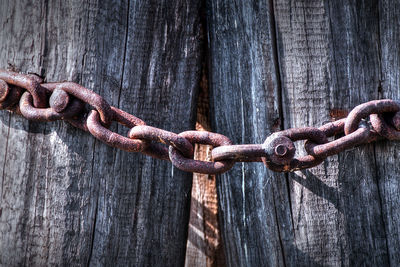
[(387, 153), (329, 62), (67, 199), (244, 85)]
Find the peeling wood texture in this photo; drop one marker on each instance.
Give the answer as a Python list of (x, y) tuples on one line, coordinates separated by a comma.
[(300, 63), (66, 199)]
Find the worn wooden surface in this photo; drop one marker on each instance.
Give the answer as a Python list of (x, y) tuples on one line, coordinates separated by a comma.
[(387, 153), (66, 199), (329, 57), (329, 61), (245, 106)]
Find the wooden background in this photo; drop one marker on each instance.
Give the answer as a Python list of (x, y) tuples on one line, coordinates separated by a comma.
[(67, 199)]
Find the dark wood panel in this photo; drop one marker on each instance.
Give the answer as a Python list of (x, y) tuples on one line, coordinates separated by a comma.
[(329, 62), (387, 153), (244, 85), (66, 198)]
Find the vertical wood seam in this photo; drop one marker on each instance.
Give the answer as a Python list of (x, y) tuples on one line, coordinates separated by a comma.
[(379, 91), (381, 204), (379, 95), (43, 48), (125, 51), (95, 213), (274, 43), (279, 231), (5, 160)]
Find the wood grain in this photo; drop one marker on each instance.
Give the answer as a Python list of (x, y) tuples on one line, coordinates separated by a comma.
[(245, 93), (327, 60), (67, 199), (387, 153)]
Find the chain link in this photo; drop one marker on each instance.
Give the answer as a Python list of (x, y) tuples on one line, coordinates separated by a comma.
[(27, 95)]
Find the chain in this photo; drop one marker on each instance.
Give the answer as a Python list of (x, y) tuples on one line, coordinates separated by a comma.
[(29, 96)]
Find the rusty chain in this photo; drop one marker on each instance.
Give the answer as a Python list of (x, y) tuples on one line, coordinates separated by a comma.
[(29, 96)]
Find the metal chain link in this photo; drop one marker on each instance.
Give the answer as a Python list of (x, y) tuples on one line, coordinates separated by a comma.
[(27, 95)]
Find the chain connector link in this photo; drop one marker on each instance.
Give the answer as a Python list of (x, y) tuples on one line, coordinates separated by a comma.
[(200, 166), (30, 82)]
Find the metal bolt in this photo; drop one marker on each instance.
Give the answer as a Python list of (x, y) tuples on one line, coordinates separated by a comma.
[(281, 150)]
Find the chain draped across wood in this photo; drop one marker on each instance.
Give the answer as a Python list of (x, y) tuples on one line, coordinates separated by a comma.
[(27, 95)]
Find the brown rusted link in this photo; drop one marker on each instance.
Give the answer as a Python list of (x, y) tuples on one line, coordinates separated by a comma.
[(395, 121), (248, 153), (199, 166), (305, 133), (157, 151), (280, 150), (59, 100), (383, 128), (361, 135), (364, 110), (4, 90), (50, 86), (333, 128), (301, 163), (150, 133), (119, 116), (111, 138), (79, 122), (90, 97), (47, 114), (11, 99), (125, 118), (29, 82)]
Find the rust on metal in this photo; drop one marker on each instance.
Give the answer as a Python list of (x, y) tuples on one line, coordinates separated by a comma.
[(199, 166), (125, 118), (27, 95), (150, 133), (337, 114), (395, 120), (113, 139), (59, 100), (280, 149), (11, 99), (91, 98), (360, 136), (157, 151), (333, 128), (4, 90), (383, 128), (250, 152), (364, 110), (30, 82), (47, 114)]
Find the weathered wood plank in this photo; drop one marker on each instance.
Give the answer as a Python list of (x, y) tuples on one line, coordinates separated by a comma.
[(329, 62), (387, 153), (66, 198), (244, 85)]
